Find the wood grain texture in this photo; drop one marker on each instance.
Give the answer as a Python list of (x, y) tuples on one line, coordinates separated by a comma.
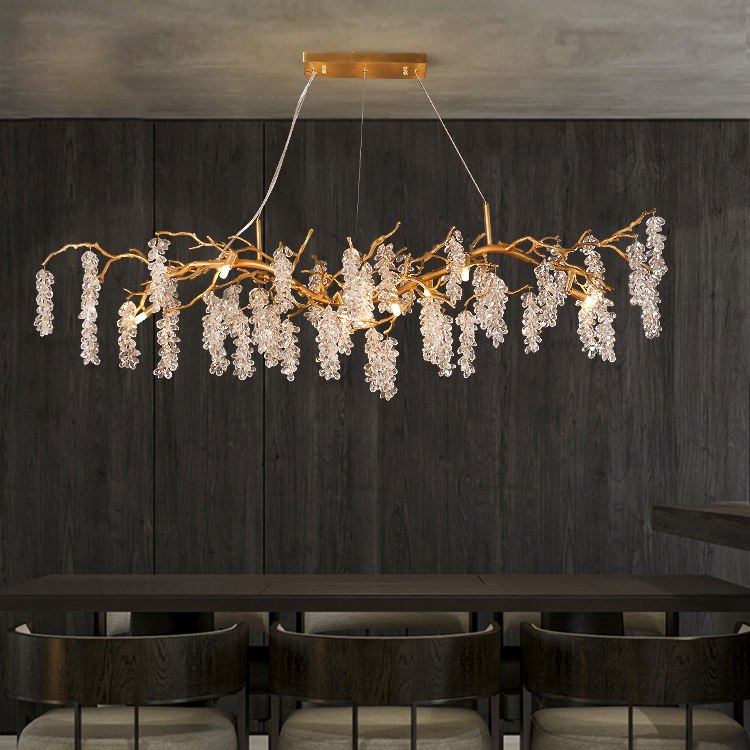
[(538, 463), (132, 671), (391, 671), (76, 442), (637, 671), (728, 525), (208, 430)]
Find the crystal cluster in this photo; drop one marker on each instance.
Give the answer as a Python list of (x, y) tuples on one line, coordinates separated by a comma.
[(454, 250), (551, 295), (467, 341), (238, 328), (387, 291), (88, 314), (44, 305), (595, 326), (359, 288), (126, 325), (437, 336), (531, 324), (333, 339), (317, 276), (647, 268), (489, 305), (163, 297), (282, 283), (380, 370), (274, 338), (214, 334)]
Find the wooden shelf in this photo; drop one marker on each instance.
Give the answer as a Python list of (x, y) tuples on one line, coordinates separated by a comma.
[(719, 524)]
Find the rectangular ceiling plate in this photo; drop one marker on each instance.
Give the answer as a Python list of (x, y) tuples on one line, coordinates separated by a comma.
[(366, 64)]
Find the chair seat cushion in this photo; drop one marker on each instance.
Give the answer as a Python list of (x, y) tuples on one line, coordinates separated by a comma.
[(653, 729), (385, 728), (111, 727)]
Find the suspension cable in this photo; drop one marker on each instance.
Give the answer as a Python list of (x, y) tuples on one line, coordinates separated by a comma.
[(447, 132), (277, 171)]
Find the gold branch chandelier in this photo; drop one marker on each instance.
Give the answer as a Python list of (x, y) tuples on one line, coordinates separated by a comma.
[(252, 297)]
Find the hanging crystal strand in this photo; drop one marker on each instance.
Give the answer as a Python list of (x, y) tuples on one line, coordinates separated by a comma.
[(531, 325), (163, 297), (88, 314), (467, 323), (381, 370), (551, 295), (454, 251), (238, 327), (327, 323), (214, 333), (126, 325), (266, 327), (437, 336), (358, 289), (605, 331), (386, 290), (587, 324), (282, 284), (643, 283), (44, 304), (489, 305), (289, 353)]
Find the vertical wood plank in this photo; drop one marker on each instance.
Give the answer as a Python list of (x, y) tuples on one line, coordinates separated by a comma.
[(208, 430), (76, 442)]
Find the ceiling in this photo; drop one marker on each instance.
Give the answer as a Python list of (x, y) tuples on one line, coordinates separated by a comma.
[(487, 58)]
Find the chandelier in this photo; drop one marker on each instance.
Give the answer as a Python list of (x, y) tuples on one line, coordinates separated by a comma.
[(255, 298)]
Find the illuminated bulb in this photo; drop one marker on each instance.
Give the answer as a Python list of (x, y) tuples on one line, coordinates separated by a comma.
[(140, 317), (224, 271), (396, 309), (427, 292), (590, 301), (465, 273)]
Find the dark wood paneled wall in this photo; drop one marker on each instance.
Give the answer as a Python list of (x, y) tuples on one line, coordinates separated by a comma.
[(539, 463)]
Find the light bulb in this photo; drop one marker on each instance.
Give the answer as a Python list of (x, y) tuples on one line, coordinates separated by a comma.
[(427, 292), (224, 271), (140, 317), (590, 301), (396, 309), (465, 273)]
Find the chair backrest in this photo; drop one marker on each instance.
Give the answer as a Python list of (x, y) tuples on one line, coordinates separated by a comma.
[(636, 670), (385, 671), (133, 670), (416, 623)]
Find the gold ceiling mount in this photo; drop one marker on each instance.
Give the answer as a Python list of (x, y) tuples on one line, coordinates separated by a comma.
[(367, 64)]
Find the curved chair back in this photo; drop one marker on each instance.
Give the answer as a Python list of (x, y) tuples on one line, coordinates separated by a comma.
[(635, 670), (385, 671), (413, 623), (134, 670)]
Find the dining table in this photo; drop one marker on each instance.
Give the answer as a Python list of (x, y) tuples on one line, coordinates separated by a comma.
[(187, 595)]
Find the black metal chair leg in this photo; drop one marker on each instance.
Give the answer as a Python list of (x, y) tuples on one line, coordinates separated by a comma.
[(136, 728), (689, 727), (355, 727), (275, 721), (526, 709), (243, 740), (413, 733)]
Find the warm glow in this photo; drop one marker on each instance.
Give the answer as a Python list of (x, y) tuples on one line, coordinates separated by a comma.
[(396, 309), (224, 271), (465, 273), (140, 317)]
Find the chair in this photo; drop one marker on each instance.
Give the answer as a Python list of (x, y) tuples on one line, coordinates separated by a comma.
[(114, 686), (642, 679), (412, 623), (382, 681)]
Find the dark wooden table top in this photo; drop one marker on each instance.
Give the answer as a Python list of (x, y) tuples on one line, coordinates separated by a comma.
[(298, 593)]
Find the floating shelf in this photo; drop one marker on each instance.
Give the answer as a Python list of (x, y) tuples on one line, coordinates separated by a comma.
[(719, 524)]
